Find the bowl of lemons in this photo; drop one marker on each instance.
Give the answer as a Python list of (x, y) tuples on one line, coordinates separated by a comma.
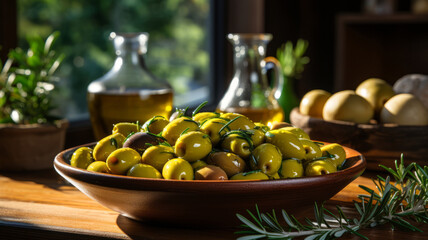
[(202, 169), (378, 119)]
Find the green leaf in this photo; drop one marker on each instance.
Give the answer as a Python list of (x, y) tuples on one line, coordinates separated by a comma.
[(250, 224), (199, 108)]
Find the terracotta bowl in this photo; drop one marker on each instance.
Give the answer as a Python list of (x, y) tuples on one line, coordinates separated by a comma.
[(205, 203), (379, 143)]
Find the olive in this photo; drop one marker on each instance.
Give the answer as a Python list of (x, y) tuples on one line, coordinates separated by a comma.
[(257, 136), (193, 146), (107, 145), (82, 157), (238, 143), (278, 125), (274, 176), (210, 172), (98, 166), (175, 128), (198, 164), (312, 149), (320, 167), (140, 141), (291, 168), (335, 152), (178, 168), (126, 128), (266, 157), (287, 142), (155, 124), (241, 123), (231, 163), (254, 175), (212, 127), (261, 126), (143, 170), (121, 160), (203, 116), (296, 131), (157, 156)]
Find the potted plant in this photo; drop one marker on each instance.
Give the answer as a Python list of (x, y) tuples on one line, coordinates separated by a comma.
[(30, 136), (292, 60)]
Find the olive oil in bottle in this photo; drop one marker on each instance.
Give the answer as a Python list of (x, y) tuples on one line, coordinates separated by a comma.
[(128, 92), (248, 92), (107, 109)]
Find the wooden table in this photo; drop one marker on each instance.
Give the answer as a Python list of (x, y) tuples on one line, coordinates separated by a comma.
[(41, 205)]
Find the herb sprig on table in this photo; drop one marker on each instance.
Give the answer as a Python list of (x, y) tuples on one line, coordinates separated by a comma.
[(398, 204)]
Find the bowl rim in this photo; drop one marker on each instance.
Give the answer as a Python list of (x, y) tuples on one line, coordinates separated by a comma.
[(74, 174)]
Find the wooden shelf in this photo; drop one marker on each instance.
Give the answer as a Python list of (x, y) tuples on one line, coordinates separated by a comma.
[(387, 47)]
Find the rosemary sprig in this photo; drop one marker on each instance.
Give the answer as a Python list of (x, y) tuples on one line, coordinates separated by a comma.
[(397, 204), (199, 108)]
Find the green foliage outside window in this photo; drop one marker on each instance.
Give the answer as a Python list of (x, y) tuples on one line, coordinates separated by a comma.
[(177, 47)]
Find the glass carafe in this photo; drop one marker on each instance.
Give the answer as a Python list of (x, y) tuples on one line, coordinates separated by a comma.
[(249, 92), (129, 92)]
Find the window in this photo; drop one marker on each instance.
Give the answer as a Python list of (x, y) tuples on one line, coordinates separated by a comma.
[(178, 49)]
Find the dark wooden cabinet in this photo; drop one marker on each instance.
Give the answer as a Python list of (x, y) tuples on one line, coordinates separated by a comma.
[(387, 47)]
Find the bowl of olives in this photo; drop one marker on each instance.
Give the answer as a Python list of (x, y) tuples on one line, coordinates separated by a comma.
[(201, 170)]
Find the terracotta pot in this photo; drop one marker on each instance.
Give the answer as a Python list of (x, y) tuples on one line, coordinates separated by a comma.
[(32, 146)]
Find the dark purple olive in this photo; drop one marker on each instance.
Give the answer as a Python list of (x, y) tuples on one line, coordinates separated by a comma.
[(140, 141)]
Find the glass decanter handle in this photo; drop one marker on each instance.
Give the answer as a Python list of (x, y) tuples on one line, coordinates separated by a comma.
[(273, 64)]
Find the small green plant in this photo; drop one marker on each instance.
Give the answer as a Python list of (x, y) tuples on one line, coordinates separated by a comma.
[(292, 58), (397, 204), (27, 82)]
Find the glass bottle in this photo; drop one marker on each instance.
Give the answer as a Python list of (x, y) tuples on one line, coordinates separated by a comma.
[(128, 92), (249, 92)]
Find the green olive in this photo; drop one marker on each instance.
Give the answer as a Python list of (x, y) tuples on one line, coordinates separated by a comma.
[(155, 124), (312, 149), (291, 168), (176, 127), (121, 160), (210, 172), (334, 151), (143, 170), (237, 143), (241, 123), (231, 163), (296, 131), (212, 127), (254, 175), (274, 176), (320, 167), (125, 128), (287, 142), (107, 145), (198, 164), (257, 136), (202, 116), (178, 168), (260, 126), (81, 158), (157, 156), (266, 157), (98, 166), (193, 146)]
